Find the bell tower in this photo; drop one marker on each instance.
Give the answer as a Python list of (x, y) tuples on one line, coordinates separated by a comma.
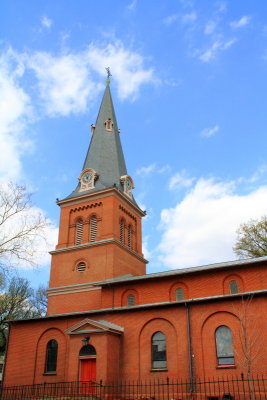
[(100, 233)]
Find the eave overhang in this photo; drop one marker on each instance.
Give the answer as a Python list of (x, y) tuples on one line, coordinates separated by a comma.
[(148, 306), (187, 271), (85, 197)]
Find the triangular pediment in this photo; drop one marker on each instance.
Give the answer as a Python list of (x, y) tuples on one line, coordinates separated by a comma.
[(90, 326)]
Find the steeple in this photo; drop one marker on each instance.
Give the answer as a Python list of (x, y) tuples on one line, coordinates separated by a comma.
[(104, 166), (100, 233)]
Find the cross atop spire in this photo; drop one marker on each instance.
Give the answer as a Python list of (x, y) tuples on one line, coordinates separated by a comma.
[(108, 75)]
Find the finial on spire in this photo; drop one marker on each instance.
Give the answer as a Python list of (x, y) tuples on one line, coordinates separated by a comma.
[(109, 74)]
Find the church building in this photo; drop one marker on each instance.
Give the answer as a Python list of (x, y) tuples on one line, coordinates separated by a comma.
[(107, 319)]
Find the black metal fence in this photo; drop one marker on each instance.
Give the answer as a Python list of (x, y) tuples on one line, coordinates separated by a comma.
[(230, 388)]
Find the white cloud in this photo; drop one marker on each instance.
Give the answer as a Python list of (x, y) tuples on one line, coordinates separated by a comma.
[(201, 229), (180, 180), (46, 22), (170, 19), (15, 115), (221, 7), (189, 18), (208, 132), (65, 85), (146, 171), (64, 82), (132, 5), (210, 27), (216, 47), (147, 254), (127, 67), (243, 21), (166, 168)]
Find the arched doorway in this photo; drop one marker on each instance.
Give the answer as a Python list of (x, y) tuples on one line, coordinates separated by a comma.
[(87, 363)]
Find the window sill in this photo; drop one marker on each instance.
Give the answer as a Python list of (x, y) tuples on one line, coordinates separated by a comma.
[(159, 370), (226, 367), (49, 373)]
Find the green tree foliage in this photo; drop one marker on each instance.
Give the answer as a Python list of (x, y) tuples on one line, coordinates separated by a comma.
[(18, 301), (252, 239)]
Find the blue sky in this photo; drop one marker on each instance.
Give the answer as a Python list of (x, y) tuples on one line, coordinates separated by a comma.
[(189, 88)]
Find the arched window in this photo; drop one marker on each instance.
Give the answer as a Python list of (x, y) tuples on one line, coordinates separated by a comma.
[(130, 236), (93, 228), (224, 346), (51, 356), (79, 231), (130, 300), (159, 356), (88, 351), (233, 287), (179, 294), (122, 231)]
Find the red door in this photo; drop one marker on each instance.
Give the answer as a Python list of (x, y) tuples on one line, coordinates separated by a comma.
[(88, 375)]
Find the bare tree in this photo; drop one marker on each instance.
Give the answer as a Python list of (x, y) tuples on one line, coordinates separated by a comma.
[(39, 300), (20, 225), (251, 340), (252, 239), (17, 301)]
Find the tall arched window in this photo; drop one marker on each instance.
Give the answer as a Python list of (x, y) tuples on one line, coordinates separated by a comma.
[(51, 356), (130, 236), (179, 294), (224, 346), (122, 231), (233, 287), (130, 300), (158, 350), (93, 228), (79, 231)]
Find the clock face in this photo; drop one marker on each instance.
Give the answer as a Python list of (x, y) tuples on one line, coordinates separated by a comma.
[(87, 177), (128, 184)]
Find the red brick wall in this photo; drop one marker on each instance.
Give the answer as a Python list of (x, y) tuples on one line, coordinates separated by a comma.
[(129, 356)]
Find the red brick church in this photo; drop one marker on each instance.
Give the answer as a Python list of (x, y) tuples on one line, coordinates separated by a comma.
[(107, 319)]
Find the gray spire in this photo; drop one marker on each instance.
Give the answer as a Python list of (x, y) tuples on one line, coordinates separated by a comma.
[(105, 155)]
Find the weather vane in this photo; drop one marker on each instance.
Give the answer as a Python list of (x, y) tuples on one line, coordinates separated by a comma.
[(109, 74)]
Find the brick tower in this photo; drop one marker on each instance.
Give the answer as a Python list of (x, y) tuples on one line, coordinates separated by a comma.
[(100, 223)]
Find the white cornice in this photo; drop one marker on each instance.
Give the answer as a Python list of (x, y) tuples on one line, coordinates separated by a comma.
[(99, 243), (81, 287)]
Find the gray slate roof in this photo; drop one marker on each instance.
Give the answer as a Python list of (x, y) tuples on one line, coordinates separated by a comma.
[(183, 271), (105, 154)]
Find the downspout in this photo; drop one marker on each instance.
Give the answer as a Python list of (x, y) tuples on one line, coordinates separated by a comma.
[(112, 295), (189, 341), (5, 359)]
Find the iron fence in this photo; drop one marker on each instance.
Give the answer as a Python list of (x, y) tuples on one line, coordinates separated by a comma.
[(230, 388)]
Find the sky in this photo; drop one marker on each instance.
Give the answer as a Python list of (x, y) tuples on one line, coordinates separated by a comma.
[(189, 89)]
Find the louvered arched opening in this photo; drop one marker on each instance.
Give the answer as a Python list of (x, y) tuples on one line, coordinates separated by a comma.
[(79, 231), (130, 237), (93, 228), (130, 300), (122, 230)]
